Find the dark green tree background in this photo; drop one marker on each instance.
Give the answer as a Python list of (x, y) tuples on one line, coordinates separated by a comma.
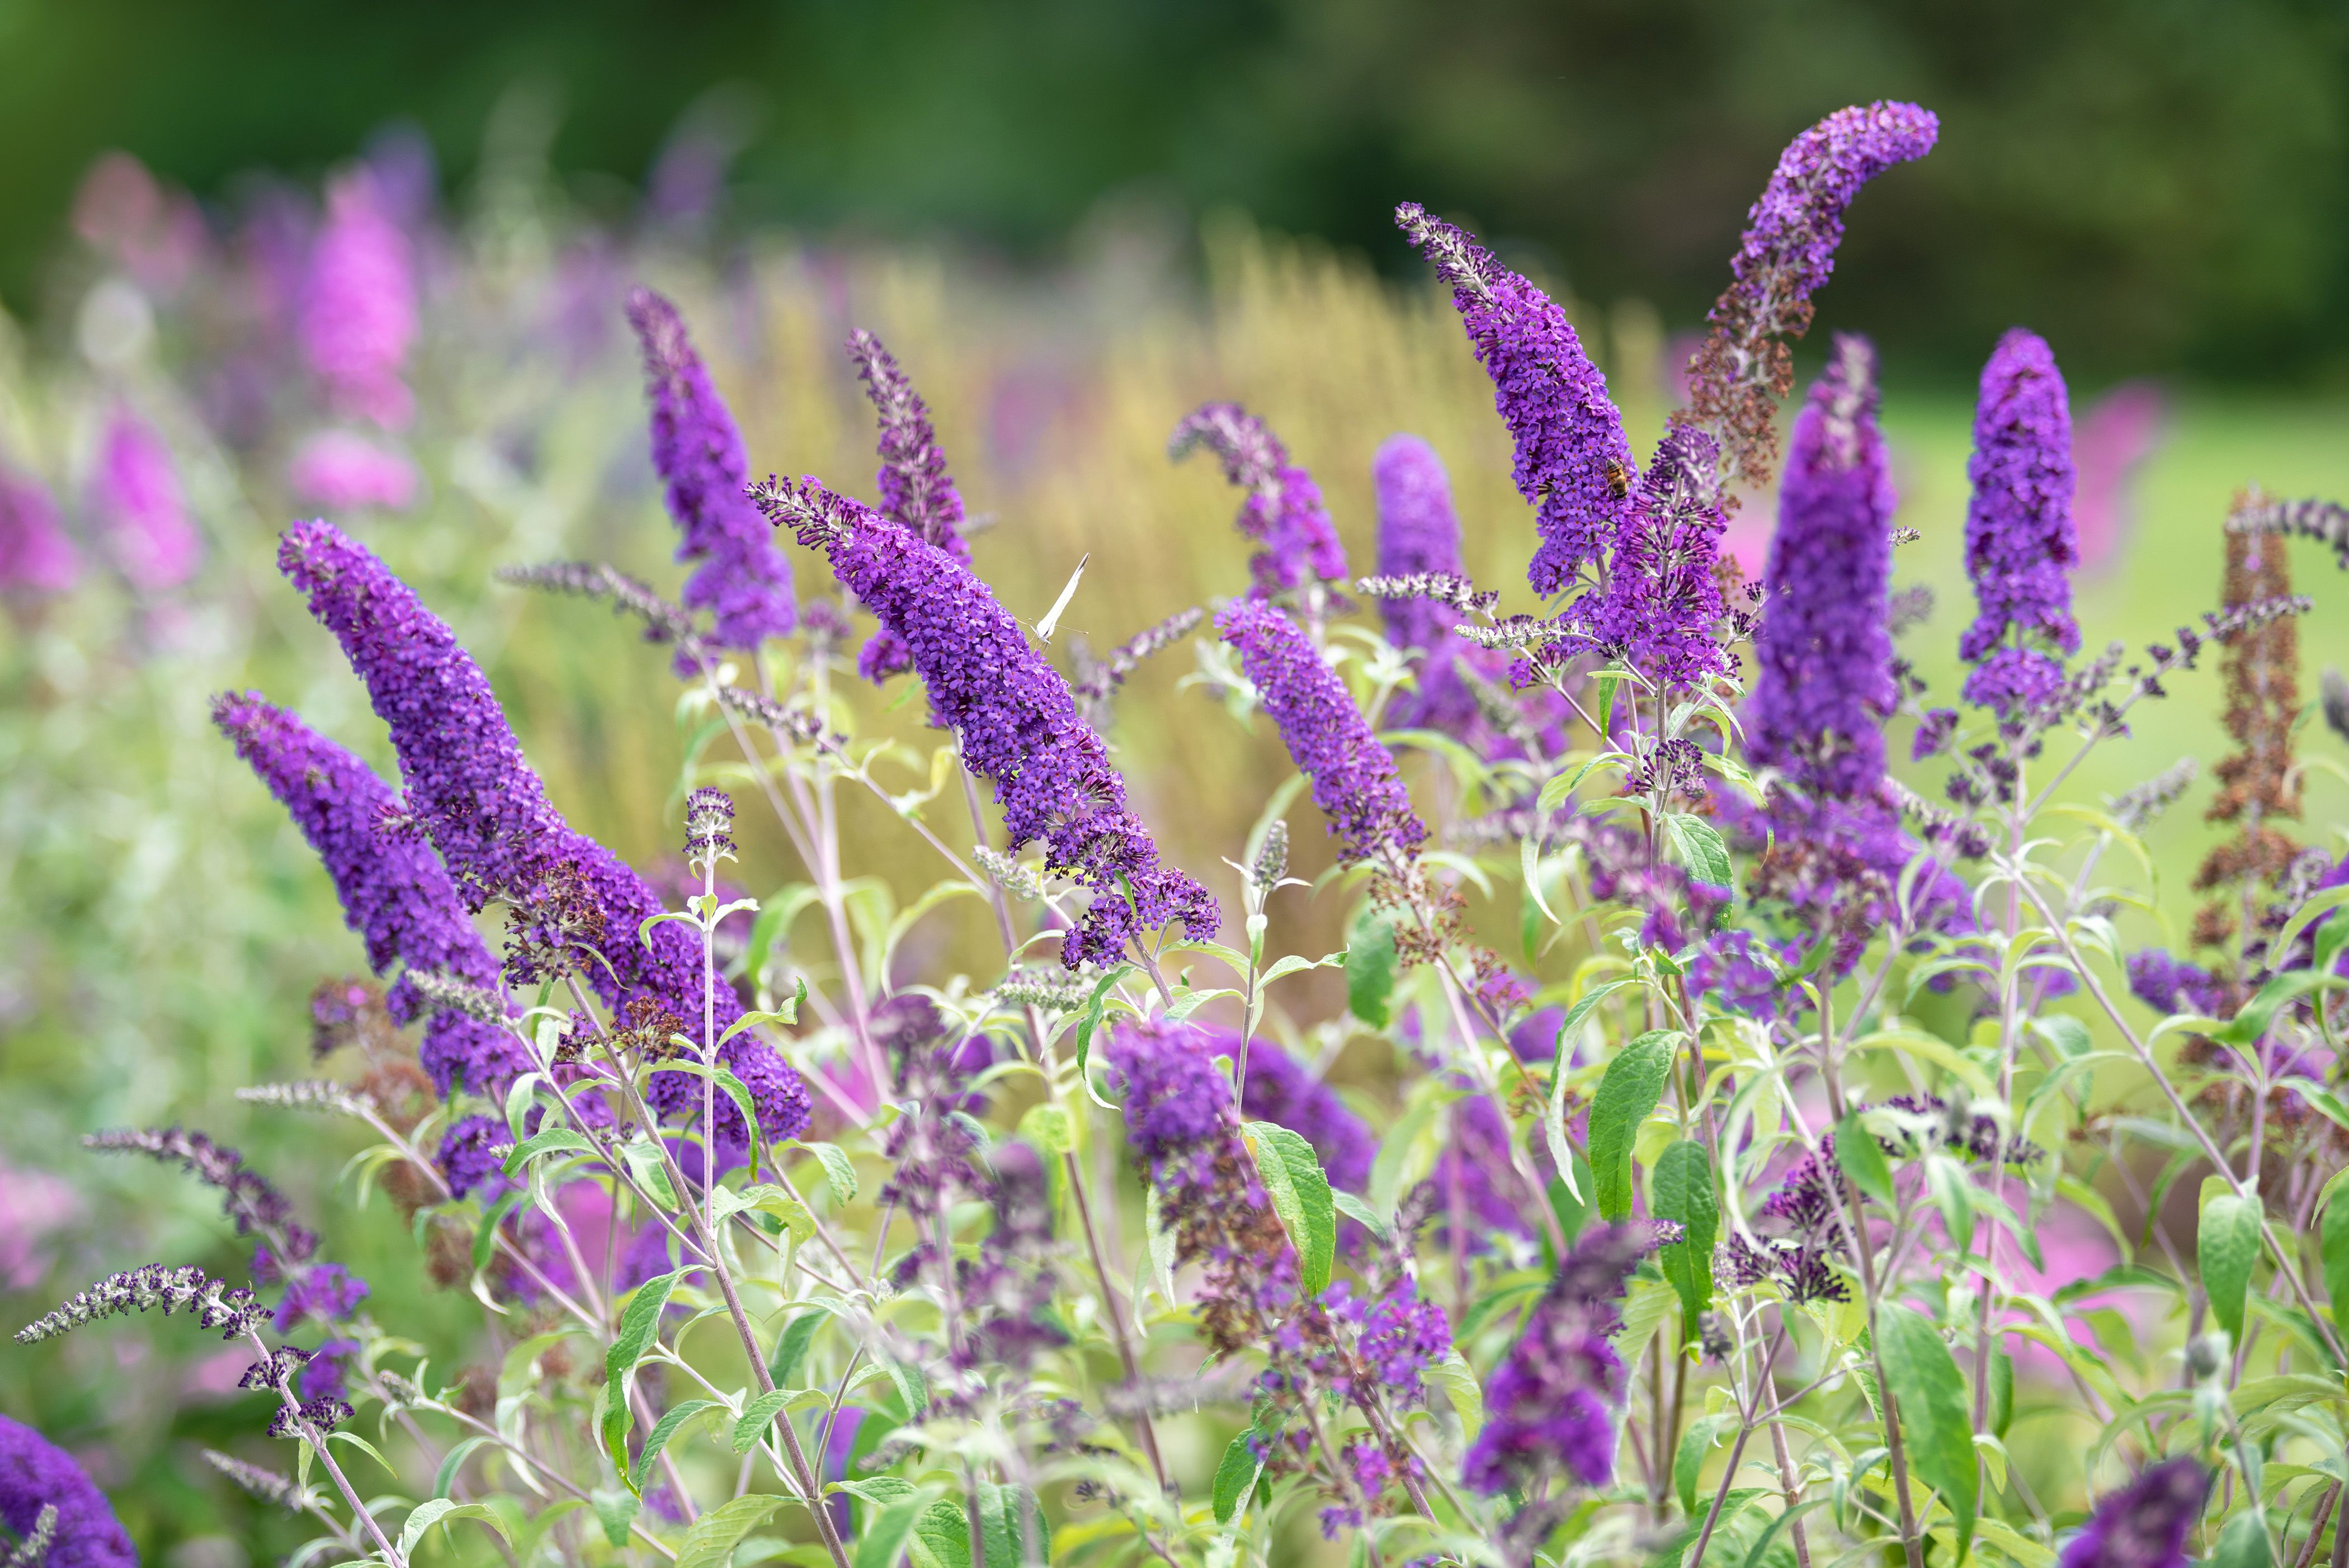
[(2160, 185)]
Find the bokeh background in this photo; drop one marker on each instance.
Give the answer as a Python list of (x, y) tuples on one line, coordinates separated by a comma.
[(1072, 222)]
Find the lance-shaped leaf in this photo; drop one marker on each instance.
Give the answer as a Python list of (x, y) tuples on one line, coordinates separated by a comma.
[(2226, 1248), (1299, 1190), (1930, 1397), (1634, 1082), (1682, 1189)]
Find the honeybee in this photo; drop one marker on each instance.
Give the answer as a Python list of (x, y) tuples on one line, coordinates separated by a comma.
[(1619, 479)]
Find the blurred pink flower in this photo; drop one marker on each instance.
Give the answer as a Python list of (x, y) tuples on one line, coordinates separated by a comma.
[(339, 470), (155, 235), (358, 304), (36, 556), (139, 503), (34, 1207), (2110, 443)]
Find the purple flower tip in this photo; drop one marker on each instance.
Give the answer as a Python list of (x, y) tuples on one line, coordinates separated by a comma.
[(1018, 724), (36, 555), (142, 508), (1354, 779), (1573, 462), (1283, 511), (2146, 1524), (358, 304), (2020, 547), (744, 580)]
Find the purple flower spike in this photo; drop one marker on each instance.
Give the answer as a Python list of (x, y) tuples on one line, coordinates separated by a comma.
[(487, 812), (744, 580), (35, 1473), (2020, 546), (1283, 511), (344, 471), (394, 893), (1550, 1408), (1744, 366), (1573, 463), (142, 509), (36, 556), (916, 492), (2146, 1524), (1354, 779), (358, 304), (1825, 649), (1419, 532), (1662, 606), (1018, 724)]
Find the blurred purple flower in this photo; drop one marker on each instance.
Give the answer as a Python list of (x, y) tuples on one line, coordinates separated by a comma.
[(472, 1157), (2020, 543), (35, 1472), (2110, 444), (36, 556), (744, 580), (140, 505), (342, 470), (2146, 1524), (327, 1292), (1278, 1090), (1573, 464), (1550, 1409), (358, 304)]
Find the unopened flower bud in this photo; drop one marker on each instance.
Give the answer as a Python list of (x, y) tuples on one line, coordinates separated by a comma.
[(1271, 857)]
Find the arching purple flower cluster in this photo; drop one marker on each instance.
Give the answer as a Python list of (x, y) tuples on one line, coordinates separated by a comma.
[(916, 492), (1018, 724), (1661, 610), (743, 581), (1824, 650), (2146, 1524), (358, 304), (1573, 464), (473, 1156), (1474, 1190), (1550, 1409), (1744, 366), (2020, 546), (1354, 779), (1284, 511), (499, 837), (394, 892), (1400, 1335), (35, 1473), (2169, 985)]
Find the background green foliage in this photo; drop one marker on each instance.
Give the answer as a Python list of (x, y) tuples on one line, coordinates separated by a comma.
[(2155, 185)]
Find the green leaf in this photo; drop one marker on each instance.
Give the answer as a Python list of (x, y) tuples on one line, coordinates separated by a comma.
[(1049, 1127), (615, 1510), (485, 1240), (2226, 1248), (657, 1439), (1361, 1213), (1682, 1189), (2002, 1392), (553, 1137), (1236, 1477), (1701, 849), (757, 1416), (440, 1511), (1094, 1009), (1862, 1158), (1371, 971), (1006, 1515), (1458, 1381), (1586, 1003), (1953, 1195), (1934, 1422), (2243, 1543), (942, 1536), (2333, 1239), (639, 1325), (792, 1347), (1702, 1437), (715, 1534), (1634, 1084), (1293, 1179), (450, 1465), (913, 1389), (884, 1540)]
